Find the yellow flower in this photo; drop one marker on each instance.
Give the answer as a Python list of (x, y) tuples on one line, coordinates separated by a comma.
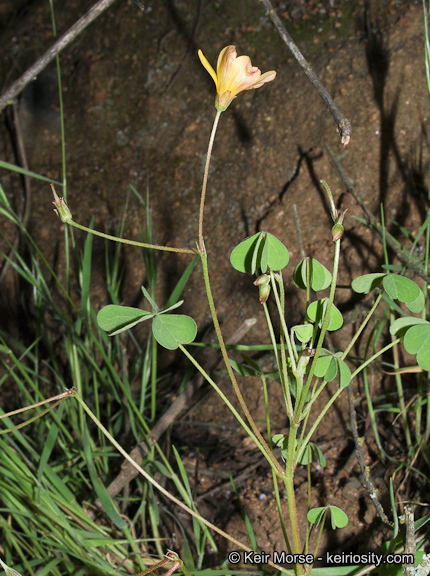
[(234, 74)]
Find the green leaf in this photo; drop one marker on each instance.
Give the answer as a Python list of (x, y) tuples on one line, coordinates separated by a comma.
[(303, 332), (14, 168), (316, 514), (241, 257), (262, 251), (278, 256), (312, 453), (316, 312), (320, 277), (115, 319), (338, 518), (364, 284), (417, 341), (417, 305), (344, 373), (400, 326), (147, 295), (174, 329), (401, 288), (280, 440), (326, 367), (259, 255)]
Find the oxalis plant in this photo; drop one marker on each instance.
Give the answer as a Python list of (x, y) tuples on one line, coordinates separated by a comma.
[(305, 363)]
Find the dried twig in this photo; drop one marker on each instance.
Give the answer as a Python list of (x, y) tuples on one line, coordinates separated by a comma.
[(343, 124), (367, 481), (374, 222), (55, 49)]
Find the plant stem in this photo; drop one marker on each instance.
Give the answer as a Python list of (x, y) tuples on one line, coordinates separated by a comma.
[(282, 374), (291, 497), (205, 181), (275, 278), (300, 403), (131, 242), (224, 353)]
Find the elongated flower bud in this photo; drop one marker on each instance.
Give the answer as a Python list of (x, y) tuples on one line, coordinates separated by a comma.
[(264, 291)]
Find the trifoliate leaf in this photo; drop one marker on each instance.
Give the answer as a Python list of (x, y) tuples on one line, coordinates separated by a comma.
[(115, 319)]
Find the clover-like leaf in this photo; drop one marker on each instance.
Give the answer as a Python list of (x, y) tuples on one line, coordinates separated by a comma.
[(417, 341), (315, 515), (401, 288), (417, 305), (316, 312), (400, 326), (320, 277), (277, 254), (242, 255), (338, 518), (261, 251), (326, 367), (329, 365), (170, 330), (344, 373), (303, 332), (312, 453), (115, 319), (364, 284)]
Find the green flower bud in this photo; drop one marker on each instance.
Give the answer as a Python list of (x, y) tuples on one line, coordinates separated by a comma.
[(337, 232), (264, 291), (61, 208), (263, 279)]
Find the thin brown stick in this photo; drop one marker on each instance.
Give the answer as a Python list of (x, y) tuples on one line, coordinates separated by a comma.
[(343, 124), (410, 537), (366, 479), (55, 49), (374, 222)]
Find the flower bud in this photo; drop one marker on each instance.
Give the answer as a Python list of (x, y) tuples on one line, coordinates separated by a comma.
[(62, 210), (263, 279), (264, 291), (337, 232)]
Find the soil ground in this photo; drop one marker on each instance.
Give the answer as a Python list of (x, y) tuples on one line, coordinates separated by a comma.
[(139, 110)]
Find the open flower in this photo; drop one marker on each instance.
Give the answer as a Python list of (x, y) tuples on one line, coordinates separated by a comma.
[(234, 74)]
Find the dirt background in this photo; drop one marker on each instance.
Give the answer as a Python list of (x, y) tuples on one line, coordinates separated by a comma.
[(139, 110)]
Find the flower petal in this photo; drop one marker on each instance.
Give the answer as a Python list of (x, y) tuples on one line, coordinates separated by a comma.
[(266, 77), (225, 57), (208, 67)]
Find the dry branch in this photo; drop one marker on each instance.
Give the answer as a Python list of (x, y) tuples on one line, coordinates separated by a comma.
[(343, 124), (55, 49)]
